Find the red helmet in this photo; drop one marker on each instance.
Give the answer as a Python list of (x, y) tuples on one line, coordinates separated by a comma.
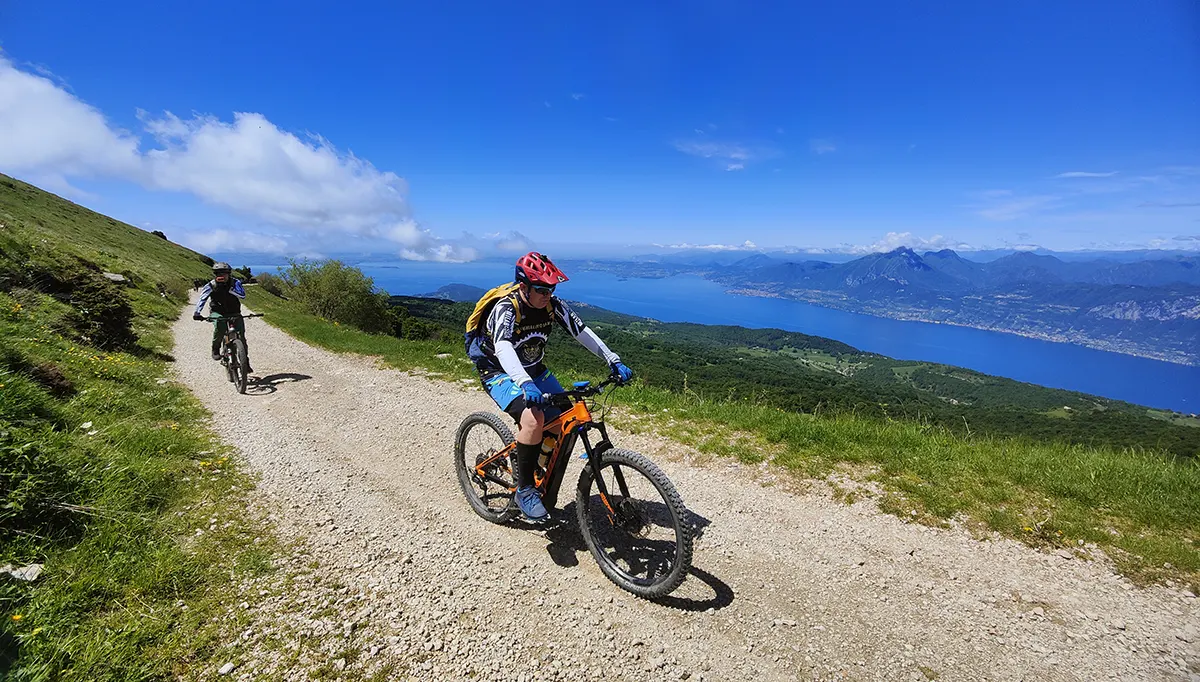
[(534, 268)]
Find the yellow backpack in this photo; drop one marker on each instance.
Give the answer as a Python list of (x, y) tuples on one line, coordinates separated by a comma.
[(477, 322)]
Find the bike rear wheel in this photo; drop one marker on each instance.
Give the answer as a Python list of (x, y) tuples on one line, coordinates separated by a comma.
[(641, 538), (480, 436), (240, 365)]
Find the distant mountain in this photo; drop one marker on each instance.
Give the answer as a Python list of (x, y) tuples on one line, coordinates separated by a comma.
[(1147, 307), (458, 293)]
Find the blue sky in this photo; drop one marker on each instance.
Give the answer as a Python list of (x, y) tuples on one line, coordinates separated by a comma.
[(457, 130)]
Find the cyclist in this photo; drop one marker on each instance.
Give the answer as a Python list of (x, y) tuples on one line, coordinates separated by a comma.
[(224, 295), (511, 366)]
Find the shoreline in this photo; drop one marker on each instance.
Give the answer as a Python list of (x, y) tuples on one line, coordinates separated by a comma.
[(1094, 344)]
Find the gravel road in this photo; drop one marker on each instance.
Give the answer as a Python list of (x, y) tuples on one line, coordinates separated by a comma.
[(393, 575)]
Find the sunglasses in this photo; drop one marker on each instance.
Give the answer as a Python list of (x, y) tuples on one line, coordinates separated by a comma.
[(543, 290)]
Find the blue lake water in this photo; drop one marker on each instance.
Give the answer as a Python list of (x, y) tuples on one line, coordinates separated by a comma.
[(693, 299)]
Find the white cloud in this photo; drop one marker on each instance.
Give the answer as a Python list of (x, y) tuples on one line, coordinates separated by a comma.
[(1085, 174), (214, 241), (731, 155), (443, 253), (822, 146), (894, 240), (744, 246), (577, 96), (252, 167), (513, 242), (248, 165), (713, 150), (46, 132)]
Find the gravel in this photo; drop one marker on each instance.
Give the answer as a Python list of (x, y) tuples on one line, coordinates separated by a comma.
[(390, 573)]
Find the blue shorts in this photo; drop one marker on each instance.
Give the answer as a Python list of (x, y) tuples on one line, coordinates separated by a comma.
[(511, 398)]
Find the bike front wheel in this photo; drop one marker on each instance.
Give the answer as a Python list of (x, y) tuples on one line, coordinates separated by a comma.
[(638, 531), (480, 436), (227, 359)]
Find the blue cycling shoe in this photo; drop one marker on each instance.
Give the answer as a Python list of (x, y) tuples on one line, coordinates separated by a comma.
[(529, 501)]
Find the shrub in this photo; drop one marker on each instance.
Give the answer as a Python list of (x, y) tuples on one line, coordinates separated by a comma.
[(102, 314), (339, 293), (272, 284)]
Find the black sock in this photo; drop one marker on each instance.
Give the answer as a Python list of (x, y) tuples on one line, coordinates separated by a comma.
[(527, 456)]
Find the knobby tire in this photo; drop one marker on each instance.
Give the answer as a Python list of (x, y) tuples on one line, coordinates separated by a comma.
[(655, 586), (240, 363), (466, 470)]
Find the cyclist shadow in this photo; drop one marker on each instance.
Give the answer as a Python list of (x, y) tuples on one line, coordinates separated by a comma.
[(567, 544), (266, 385)]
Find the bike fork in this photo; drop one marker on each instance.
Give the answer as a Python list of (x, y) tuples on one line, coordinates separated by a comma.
[(594, 455)]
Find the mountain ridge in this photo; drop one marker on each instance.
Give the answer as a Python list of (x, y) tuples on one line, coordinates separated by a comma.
[(1149, 308)]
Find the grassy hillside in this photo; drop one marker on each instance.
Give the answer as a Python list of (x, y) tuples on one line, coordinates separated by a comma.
[(108, 476), (823, 375), (1140, 506), (52, 223)]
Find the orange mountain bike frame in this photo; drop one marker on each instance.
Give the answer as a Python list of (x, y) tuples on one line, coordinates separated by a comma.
[(570, 426)]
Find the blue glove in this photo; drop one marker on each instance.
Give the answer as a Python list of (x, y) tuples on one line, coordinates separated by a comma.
[(624, 374), (533, 394)]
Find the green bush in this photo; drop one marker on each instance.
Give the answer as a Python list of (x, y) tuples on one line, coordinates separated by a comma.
[(272, 284), (339, 293), (103, 316)]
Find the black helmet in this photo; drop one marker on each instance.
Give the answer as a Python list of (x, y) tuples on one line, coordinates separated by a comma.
[(221, 267)]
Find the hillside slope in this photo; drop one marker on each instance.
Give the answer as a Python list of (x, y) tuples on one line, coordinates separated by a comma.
[(64, 227)]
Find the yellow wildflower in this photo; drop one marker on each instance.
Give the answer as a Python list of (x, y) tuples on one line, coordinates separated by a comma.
[(17, 616)]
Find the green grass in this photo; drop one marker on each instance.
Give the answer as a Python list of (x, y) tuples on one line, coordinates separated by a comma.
[(1142, 507), (123, 474), (62, 227), (107, 471), (1174, 418)]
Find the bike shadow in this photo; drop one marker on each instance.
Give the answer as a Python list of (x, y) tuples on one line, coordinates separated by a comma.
[(266, 385), (567, 543)]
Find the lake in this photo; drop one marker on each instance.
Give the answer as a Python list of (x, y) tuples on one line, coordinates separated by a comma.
[(693, 299)]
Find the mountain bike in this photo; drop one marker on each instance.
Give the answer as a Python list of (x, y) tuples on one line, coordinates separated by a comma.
[(233, 350), (629, 513)]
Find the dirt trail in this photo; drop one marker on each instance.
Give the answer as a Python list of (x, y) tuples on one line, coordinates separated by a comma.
[(356, 462)]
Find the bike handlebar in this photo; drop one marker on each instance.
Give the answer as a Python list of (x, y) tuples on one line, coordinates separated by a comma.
[(567, 398)]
